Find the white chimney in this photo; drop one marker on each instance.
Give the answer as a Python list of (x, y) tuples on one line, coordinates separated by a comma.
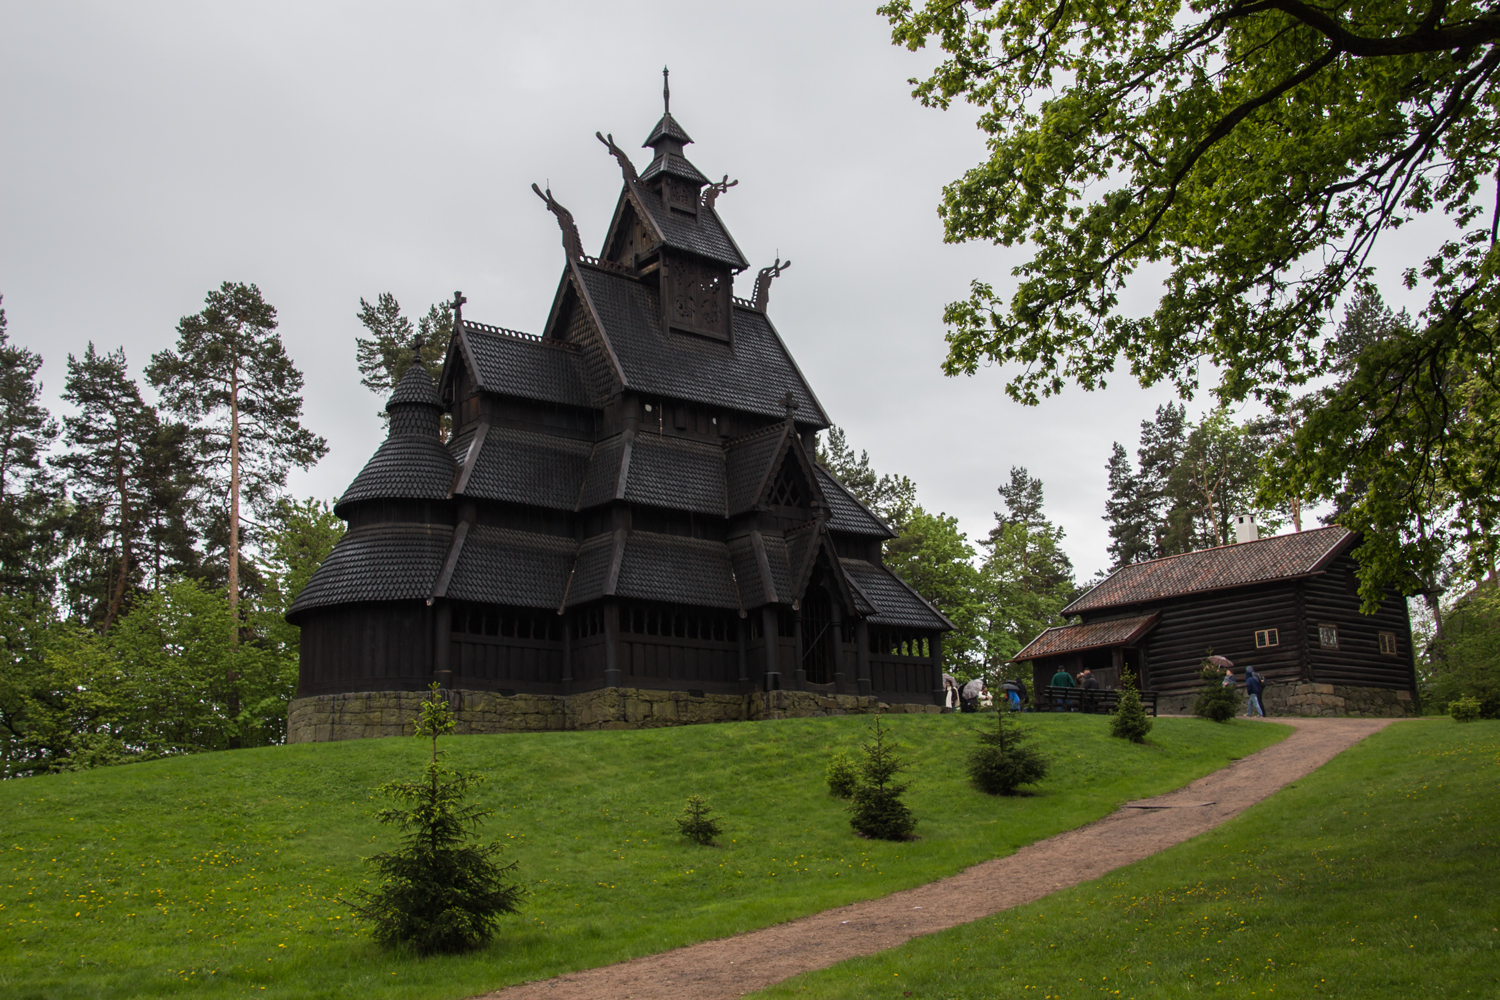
[(1245, 529)]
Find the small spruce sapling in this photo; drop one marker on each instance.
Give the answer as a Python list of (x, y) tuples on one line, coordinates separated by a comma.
[(696, 825), (1217, 701), (1130, 721), (878, 810), (843, 777), (439, 893), (1004, 759)]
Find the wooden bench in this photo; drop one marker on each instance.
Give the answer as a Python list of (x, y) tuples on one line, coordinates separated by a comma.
[(1098, 701)]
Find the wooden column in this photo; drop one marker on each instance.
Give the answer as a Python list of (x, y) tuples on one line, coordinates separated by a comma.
[(837, 644), (862, 655), (770, 628), (800, 670), (567, 640), (935, 644), (611, 644), (442, 650)]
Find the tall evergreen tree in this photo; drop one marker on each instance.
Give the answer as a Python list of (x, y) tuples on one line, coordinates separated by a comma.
[(1026, 578), (107, 440), (892, 498), (27, 493), (230, 377), (387, 352), (1129, 513)]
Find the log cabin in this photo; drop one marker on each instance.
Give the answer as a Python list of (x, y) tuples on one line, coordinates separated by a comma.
[(1287, 605), (627, 525)]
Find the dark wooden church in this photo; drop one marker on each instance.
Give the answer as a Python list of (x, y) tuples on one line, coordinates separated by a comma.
[(1287, 605), (629, 498)]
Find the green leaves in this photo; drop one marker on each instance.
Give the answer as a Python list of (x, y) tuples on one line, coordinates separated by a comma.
[(1230, 142)]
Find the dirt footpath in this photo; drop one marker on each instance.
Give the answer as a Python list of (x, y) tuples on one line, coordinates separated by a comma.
[(731, 967)]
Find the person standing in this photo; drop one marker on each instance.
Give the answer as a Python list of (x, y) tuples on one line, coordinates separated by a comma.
[(1062, 679), (1254, 685)]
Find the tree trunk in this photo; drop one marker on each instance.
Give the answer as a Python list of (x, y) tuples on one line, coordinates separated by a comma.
[(117, 590), (234, 490), (232, 696)]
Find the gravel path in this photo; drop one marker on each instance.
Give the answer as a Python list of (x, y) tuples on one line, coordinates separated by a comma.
[(731, 967)]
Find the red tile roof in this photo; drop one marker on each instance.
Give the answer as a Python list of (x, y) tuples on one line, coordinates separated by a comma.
[(1280, 557), (1072, 638)]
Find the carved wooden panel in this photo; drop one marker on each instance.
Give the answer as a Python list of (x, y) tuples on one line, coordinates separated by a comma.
[(695, 295), (681, 194)]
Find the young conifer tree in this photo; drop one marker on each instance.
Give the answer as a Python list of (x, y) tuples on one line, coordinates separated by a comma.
[(1130, 721), (1003, 760), (440, 893), (878, 811)]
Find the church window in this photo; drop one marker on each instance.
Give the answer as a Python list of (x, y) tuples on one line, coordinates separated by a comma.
[(1328, 636), (1266, 637), (1387, 644)]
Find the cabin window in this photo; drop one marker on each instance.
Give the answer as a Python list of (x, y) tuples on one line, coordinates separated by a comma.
[(1328, 636), (1387, 643), (1266, 637)]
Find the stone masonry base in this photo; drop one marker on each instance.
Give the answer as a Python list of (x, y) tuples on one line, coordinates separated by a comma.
[(1311, 700), (367, 714)]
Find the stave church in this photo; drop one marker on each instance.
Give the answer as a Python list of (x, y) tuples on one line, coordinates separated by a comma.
[(626, 525)]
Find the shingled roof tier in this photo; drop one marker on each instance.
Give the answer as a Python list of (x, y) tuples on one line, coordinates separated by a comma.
[(379, 562), (527, 467), (519, 568), (702, 234), (753, 374), (1279, 557), (677, 166), (894, 601), (848, 514), (529, 368), (1093, 635), (412, 463)]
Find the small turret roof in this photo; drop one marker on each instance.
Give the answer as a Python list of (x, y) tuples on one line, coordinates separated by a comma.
[(415, 388), (667, 128)]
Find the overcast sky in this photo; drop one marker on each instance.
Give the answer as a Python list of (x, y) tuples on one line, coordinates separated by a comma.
[(329, 151)]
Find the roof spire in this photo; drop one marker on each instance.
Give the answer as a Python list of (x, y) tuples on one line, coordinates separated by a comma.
[(666, 92)]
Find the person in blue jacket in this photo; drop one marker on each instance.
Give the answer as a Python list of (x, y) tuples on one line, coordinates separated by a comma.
[(1254, 685)]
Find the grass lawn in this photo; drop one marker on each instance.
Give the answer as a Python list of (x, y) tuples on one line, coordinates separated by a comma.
[(1375, 876), (218, 874)]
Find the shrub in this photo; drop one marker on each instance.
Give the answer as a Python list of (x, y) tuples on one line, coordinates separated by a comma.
[(439, 893), (878, 810), (842, 775), (1004, 758), (1215, 701), (695, 823), (1465, 709), (1130, 721)]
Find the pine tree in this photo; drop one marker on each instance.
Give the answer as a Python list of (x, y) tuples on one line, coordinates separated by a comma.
[(384, 356), (439, 893), (878, 811), (27, 493), (230, 378), (1130, 721), (1026, 578), (107, 441), (1128, 512), (1005, 759)]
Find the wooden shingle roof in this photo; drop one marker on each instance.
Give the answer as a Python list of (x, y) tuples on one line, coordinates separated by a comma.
[(1280, 557), (1093, 635)]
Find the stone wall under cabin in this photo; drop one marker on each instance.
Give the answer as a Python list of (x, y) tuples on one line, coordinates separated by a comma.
[(368, 714), (1311, 701)]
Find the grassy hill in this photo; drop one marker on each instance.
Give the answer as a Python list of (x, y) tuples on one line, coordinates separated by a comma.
[(220, 874), (1373, 877)]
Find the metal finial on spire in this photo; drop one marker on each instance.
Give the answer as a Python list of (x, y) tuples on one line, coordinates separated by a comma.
[(666, 92)]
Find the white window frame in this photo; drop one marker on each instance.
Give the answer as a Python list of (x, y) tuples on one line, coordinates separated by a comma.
[(1324, 629), (1265, 638)]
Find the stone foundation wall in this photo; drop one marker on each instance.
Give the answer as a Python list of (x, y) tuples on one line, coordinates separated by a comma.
[(1313, 700), (368, 714)]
